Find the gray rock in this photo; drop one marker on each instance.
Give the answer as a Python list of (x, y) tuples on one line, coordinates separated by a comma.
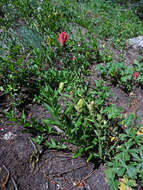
[(136, 42), (9, 136)]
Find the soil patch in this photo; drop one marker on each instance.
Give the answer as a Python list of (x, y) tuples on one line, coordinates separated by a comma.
[(24, 165)]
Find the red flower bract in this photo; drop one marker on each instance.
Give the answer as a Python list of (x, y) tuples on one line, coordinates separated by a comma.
[(62, 38), (135, 75), (73, 58)]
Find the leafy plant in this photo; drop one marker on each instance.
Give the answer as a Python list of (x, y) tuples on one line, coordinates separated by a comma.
[(118, 73), (128, 160), (86, 122)]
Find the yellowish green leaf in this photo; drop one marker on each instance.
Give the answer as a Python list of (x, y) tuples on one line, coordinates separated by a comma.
[(61, 87), (124, 184), (79, 105)]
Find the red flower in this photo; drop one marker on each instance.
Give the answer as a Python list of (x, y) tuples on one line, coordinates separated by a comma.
[(62, 38), (135, 75), (73, 58)]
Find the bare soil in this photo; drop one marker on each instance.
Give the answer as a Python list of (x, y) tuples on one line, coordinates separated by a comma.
[(26, 166)]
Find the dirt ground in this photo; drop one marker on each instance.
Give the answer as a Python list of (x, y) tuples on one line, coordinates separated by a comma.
[(26, 166)]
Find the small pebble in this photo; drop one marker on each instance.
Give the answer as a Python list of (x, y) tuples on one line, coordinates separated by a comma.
[(9, 136)]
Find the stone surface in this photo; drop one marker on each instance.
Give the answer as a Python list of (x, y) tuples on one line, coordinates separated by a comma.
[(136, 42), (9, 136)]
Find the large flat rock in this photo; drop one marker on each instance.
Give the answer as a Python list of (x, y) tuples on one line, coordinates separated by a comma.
[(136, 42)]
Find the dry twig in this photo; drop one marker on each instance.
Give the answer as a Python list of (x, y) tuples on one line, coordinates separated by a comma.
[(15, 186), (5, 179)]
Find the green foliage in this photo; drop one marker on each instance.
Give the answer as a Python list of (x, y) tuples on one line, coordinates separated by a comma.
[(84, 118), (139, 68), (118, 73), (128, 159)]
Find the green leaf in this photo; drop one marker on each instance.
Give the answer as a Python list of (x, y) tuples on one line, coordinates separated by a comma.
[(132, 172), (52, 111), (51, 122), (38, 139), (78, 153), (89, 157), (110, 174), (89, 147), (55, 145), (121, 171)]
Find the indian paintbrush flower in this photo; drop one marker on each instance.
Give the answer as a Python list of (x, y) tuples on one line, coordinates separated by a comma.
[(135, 75), (62, 38), (73, 58)]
